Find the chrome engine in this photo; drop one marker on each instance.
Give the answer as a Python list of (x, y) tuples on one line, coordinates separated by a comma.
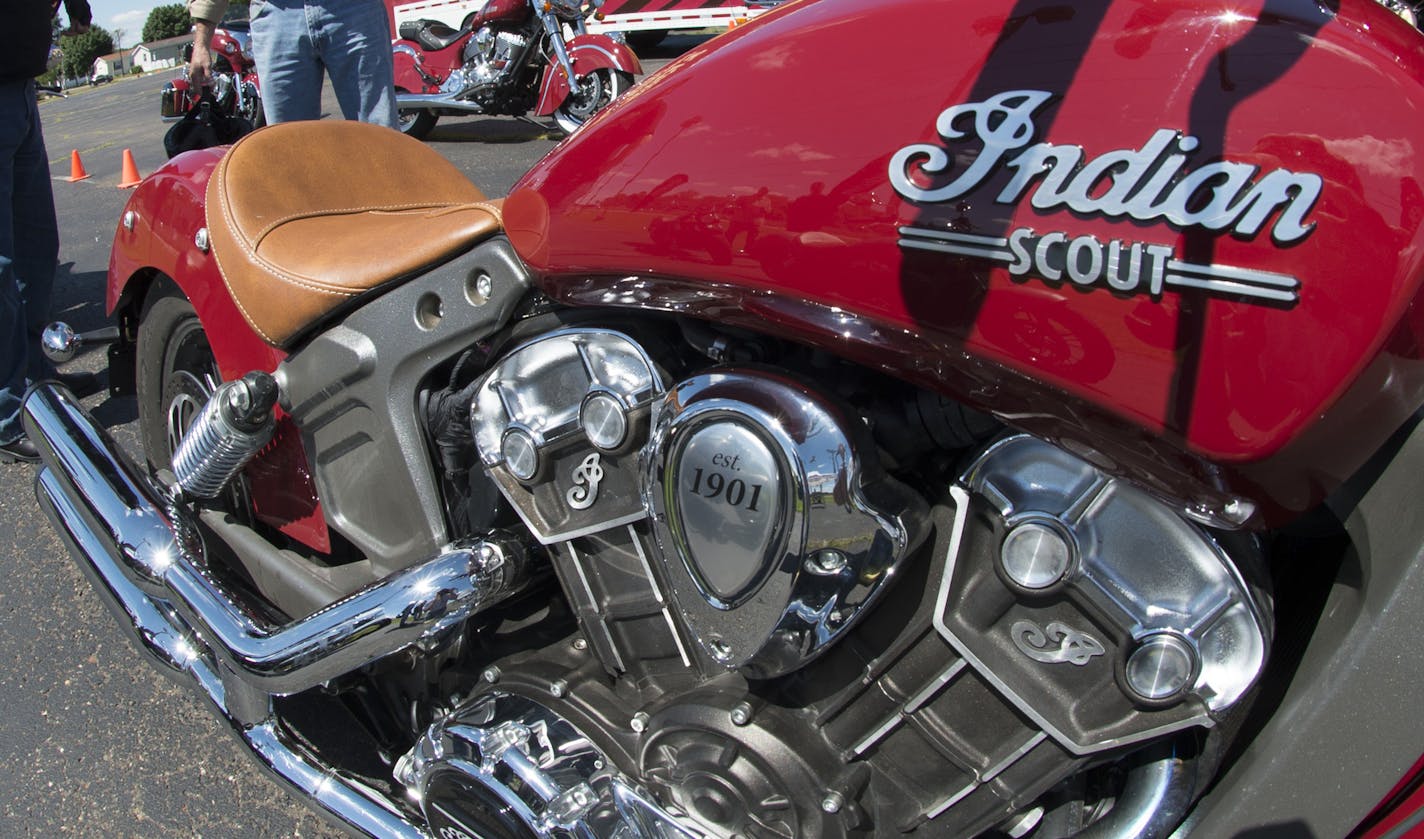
[(779, 637), (487, 57), (783, 603)]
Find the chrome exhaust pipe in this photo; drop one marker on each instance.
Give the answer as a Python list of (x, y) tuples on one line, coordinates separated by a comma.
[(159, 631), (1159, 790), (156, 544), (145, 559), (425, 101)]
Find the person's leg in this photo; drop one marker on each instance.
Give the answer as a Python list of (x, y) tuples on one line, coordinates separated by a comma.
[(26, 267), (36, 240), (288, 68), (354, 40)]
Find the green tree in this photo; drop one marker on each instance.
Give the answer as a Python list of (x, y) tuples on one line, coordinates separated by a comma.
[(166, 22), (79, 51)]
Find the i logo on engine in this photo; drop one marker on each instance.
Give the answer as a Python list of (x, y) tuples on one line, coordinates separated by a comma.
[(1059, 644)]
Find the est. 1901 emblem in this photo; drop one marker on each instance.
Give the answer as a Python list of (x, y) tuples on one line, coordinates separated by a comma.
[(1058, 644), (1153, 183)]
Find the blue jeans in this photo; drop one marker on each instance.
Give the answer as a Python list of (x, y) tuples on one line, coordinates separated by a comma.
[(29, 249), (293, 40)]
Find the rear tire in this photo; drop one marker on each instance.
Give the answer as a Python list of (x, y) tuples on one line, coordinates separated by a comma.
[(176, 374), (416, 123), (253, 110), (595, 92)]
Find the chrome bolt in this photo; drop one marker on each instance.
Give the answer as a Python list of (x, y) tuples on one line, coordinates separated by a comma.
[(580, 644), (200, 240), (130, 218), (1036, 554), (1163, 666), (484, 285), (830, 560), (639, 723), (833, 802), (742, 714), (520, 453), (491, 675), (1238, 510), (571, 805), (558, 688)]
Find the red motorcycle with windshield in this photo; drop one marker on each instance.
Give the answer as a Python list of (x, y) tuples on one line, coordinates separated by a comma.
[(514, 57), (1032, 452), (235, 86)]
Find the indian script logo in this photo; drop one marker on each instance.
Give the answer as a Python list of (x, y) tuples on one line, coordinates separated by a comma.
[(1060, 643), (1149, 184), (587, 476)]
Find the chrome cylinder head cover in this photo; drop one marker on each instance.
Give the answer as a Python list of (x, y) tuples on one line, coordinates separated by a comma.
[(557, 423), (775, 523), (1065, 581)]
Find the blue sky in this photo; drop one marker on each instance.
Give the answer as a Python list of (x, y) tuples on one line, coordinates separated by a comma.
[(127, 15)]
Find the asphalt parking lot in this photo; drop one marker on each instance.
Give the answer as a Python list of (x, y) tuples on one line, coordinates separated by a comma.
[(93, 740)]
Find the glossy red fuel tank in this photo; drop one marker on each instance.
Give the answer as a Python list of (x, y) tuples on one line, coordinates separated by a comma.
[(497, 10), (1180, 238)]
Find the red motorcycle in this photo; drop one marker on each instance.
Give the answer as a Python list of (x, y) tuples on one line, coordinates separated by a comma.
[(511, 58), (235, 85), (1035, 453)]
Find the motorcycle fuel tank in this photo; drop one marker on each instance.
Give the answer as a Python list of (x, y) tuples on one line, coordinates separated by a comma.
[(497, 10), (1180, 238)]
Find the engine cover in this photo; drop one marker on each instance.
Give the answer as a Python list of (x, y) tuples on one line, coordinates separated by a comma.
[(558, 422), (1103, 615), (507, 765), (776, 525)]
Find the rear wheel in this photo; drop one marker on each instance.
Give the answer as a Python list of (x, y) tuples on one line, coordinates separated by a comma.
[(416, 122), (595, 92), (177, 375), (252, 110)]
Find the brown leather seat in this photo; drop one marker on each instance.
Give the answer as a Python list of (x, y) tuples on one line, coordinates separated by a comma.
[(306, 216)]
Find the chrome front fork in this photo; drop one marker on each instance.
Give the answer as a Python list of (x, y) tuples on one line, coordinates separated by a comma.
[(561, 51)]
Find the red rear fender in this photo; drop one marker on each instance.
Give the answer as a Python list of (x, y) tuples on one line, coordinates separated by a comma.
[(157, 235)]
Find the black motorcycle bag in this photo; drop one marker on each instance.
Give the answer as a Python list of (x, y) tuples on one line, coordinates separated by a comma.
[(204, 126)]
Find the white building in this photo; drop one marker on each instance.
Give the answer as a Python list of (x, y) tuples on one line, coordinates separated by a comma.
[(156, 55), (114, 64)]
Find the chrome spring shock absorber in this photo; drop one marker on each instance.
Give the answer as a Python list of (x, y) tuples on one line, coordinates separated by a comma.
[(235, 424)]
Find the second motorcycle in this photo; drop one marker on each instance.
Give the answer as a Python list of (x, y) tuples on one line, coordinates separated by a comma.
[(513, 58), (235, 85)]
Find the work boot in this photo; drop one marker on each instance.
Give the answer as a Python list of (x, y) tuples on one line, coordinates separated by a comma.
[(20, 450)]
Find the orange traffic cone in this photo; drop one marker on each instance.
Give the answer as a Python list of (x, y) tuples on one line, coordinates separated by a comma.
[(130, 176), (76, 168)]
